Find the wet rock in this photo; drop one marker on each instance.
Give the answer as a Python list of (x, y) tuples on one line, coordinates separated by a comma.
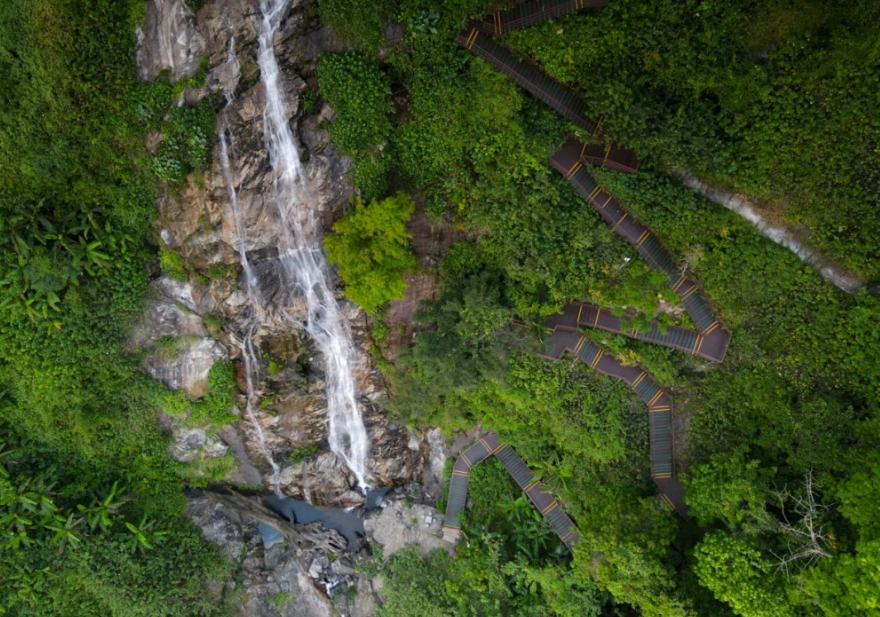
[(168, 40), (180, 351), (433, 479), (185, 364), (272, 581), (323, 480)]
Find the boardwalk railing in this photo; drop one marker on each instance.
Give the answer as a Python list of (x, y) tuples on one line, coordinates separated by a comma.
[(711, 347), (481, 450), (659, 402), (715, 339), (533, 12)]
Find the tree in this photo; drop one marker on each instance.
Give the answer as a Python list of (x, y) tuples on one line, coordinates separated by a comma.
[(738, 574), (731, 489), (371, 247)]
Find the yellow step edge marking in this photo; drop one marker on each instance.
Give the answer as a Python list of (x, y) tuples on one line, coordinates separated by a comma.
[(467, 461), (598, 126), (580, 310), (567, 536), (580, 344), (598, 313), (451, 527), (661, 476), (607, 152), (594, 194), (550, 508), (639, 379), (679, 283), (472, 38), (583, 149), (457, 472), (715, 325), (607, 201), (656, 397), (642, 239), (635, 330), (498, 22), (530, 486), (698, 344), (689, 293), (668, 502), (485, 445), (573, 170), (598, 357), (622, 218), (660, 408), (499, 448)]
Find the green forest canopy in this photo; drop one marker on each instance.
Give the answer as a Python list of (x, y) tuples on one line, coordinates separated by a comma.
[(777, 99)]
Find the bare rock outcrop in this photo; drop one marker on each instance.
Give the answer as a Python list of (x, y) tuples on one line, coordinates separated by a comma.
[(169, 41), (198, 222)]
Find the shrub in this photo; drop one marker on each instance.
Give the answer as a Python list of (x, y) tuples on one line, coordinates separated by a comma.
[(360, 94), (371, 246)]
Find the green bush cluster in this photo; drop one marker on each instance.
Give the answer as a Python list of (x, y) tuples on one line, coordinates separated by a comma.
[(185, 146), (360, 94), (371, 247)]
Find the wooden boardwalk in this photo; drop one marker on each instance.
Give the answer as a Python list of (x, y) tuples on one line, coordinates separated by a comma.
[(710, 341), (533, 12), (527, 75), (563, 339), (568, 161), (712, 346), (521, 474)]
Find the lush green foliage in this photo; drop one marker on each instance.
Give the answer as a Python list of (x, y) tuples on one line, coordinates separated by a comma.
[(371, 246), (360, 94), (776, 99), (90, 503)]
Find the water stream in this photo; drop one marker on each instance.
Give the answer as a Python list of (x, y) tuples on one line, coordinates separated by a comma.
[(246, 346), (830, 271), (303, 264)]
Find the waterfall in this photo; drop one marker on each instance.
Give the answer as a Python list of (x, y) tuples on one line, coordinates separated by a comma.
[(302, 258), (246, 346)]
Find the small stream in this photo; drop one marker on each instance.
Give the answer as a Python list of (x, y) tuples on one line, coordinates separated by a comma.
[(827, 269)]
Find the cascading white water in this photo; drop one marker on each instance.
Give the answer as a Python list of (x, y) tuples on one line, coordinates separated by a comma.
[(246, 346), (303, 261)]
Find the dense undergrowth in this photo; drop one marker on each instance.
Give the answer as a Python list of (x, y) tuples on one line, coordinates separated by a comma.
[(90, 503), (774, 99)]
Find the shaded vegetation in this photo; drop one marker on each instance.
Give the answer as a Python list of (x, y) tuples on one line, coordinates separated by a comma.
[(774, 99), (90, 503)]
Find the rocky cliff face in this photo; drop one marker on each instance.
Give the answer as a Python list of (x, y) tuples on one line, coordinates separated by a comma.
[(198, 222), (189, 326)]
